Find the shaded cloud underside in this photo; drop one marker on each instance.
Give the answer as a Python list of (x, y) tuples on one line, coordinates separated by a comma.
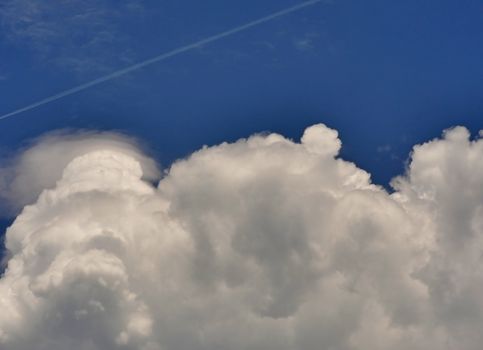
[(264, 243)]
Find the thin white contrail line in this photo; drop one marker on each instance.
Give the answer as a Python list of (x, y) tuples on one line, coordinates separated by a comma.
[(160, 58)]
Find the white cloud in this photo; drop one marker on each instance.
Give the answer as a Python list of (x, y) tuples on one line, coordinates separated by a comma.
[(260, 244), (83, 36), (39, 167), (307, 41)]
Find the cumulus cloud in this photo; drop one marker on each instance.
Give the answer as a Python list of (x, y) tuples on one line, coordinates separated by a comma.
[(25, 175), (264, 243)]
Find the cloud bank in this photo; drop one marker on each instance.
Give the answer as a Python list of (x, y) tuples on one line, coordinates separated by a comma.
[(264, 243)]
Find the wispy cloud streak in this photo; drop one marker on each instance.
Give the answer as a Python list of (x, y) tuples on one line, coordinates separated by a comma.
[(160, 58)]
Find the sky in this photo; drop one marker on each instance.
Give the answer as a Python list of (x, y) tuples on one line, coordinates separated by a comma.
[(330, 154), (385, 74)]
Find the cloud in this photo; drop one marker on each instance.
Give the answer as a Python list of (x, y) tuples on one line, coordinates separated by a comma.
[(83, 36), (25, 175), (306, 42), (264, 243)]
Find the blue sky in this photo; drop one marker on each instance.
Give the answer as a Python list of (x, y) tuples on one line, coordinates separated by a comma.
[(385, 74), (264, 243)]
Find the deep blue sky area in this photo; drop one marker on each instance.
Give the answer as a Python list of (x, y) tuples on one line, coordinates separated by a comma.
[(385, 74)]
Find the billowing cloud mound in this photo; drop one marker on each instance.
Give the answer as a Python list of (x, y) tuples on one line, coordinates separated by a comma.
[(41, 165), (260, 244)]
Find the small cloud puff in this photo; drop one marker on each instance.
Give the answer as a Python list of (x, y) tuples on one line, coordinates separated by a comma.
[(40, 166)]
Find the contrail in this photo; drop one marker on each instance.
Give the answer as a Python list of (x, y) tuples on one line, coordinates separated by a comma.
[(161, 57)]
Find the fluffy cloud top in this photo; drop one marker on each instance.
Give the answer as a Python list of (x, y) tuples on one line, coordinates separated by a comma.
[(264, 243), (40, 166)]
